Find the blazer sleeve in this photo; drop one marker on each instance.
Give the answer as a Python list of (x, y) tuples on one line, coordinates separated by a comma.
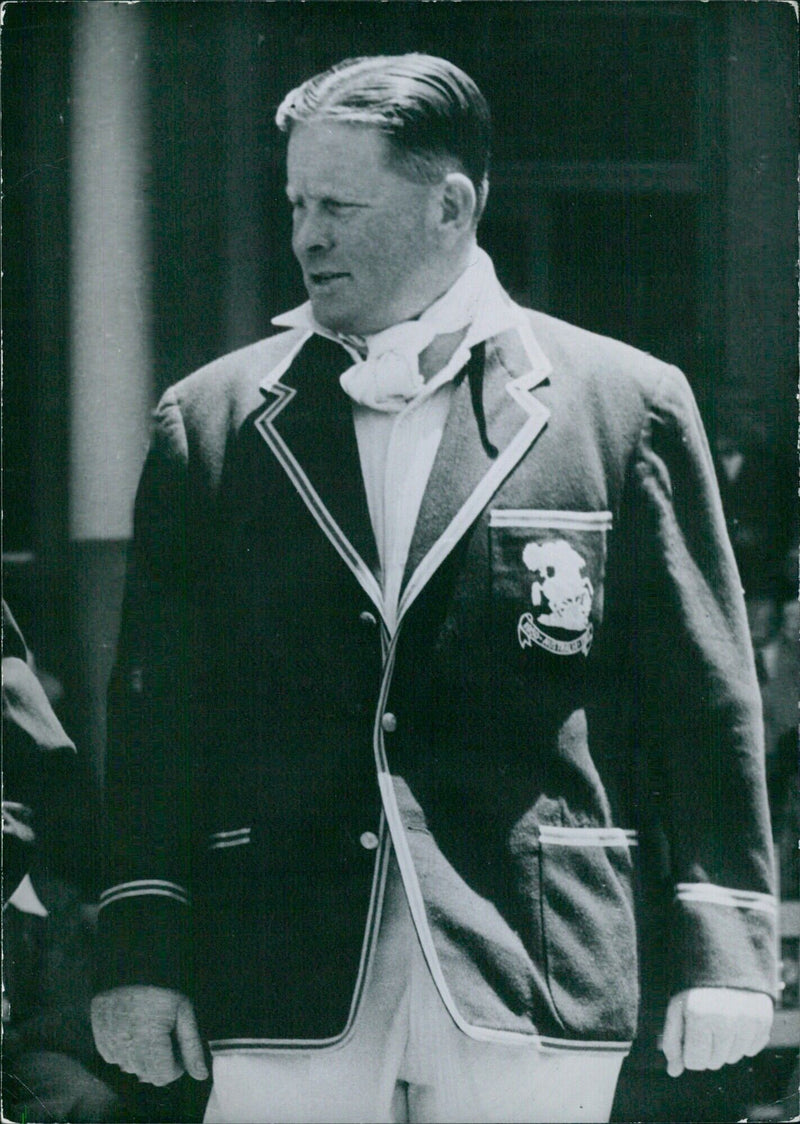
[(144, 922), (700, 714)]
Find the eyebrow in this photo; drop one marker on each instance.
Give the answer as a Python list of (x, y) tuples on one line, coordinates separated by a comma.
[(292, 197)]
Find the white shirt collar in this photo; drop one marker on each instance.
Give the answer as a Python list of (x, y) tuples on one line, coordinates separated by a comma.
[(493, 312)]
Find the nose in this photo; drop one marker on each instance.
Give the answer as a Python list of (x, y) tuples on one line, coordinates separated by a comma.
[(311, 233)]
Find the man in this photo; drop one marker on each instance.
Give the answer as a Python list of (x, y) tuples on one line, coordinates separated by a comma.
[(431, 609)]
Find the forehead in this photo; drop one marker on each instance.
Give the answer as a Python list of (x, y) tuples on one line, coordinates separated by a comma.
[(333, 155)]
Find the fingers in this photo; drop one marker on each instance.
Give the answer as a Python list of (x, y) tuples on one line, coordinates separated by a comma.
[(672, 1038), (750, 1039), (152, 1059), (698, 1042), (706, 1028), (102, 1039), (754, 1026), (738, 1047), (133, 1028), (758, 1042), (190, 1047)]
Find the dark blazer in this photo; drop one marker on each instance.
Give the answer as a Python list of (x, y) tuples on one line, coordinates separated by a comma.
[(571, 673)]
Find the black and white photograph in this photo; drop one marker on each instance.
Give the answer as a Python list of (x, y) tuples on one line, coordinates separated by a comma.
[(401, 638)]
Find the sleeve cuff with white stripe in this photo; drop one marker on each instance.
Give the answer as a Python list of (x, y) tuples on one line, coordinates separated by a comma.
[(143, 888), (723, 937), (145, 935)]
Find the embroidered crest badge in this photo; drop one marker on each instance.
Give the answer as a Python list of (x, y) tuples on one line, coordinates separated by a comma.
[(561, 595)]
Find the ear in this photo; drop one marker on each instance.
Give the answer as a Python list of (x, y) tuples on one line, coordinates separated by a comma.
[(458, 203)]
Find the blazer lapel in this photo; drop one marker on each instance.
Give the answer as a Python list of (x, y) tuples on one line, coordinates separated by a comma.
[(465, 473), (308, 424)]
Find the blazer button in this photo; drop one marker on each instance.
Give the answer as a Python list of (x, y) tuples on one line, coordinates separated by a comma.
[(368, 840), (368, 619), (389, 723)]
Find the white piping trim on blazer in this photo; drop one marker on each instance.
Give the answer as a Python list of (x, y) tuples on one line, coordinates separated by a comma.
[(258, 1045), (416, 904), (551, 520), (280, 368), (710, 894), (238, 838), (518, 388), (555, 836), (539, 361), (309, 496), (152, 887), (488, 485)]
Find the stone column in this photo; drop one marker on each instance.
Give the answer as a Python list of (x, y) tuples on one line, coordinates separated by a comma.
[(110, 329)]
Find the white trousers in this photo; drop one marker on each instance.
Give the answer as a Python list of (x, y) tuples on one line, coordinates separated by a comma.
[(407, 1061)]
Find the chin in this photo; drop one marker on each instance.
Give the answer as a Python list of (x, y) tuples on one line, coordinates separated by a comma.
[(334, 321)]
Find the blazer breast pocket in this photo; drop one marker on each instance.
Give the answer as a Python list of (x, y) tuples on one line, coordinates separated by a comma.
[(547, 575)]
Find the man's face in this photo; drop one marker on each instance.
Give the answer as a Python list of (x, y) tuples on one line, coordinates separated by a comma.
[(365, 236)]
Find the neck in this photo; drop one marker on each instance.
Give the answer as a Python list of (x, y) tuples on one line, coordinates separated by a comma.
[(451, 274)]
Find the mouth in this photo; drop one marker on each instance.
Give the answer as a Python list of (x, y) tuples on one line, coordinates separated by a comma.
[(324, 279)]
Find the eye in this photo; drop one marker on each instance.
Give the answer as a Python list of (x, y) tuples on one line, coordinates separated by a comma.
[(337, 206)]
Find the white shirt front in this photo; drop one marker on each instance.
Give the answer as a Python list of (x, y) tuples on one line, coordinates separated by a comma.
[(397, 452)]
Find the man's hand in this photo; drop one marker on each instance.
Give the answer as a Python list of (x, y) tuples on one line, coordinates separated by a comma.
[(708, 1027), (134, 1027)]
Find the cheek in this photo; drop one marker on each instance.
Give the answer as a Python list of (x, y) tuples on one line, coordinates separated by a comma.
[(399, 247)]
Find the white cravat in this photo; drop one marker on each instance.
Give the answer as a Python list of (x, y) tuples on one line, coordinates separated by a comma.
[(389, 377)]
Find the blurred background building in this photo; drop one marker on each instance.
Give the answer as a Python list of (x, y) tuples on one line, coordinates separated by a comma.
[(643, 186)]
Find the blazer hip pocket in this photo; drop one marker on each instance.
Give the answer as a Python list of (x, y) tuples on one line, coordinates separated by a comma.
[(588, 930)]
